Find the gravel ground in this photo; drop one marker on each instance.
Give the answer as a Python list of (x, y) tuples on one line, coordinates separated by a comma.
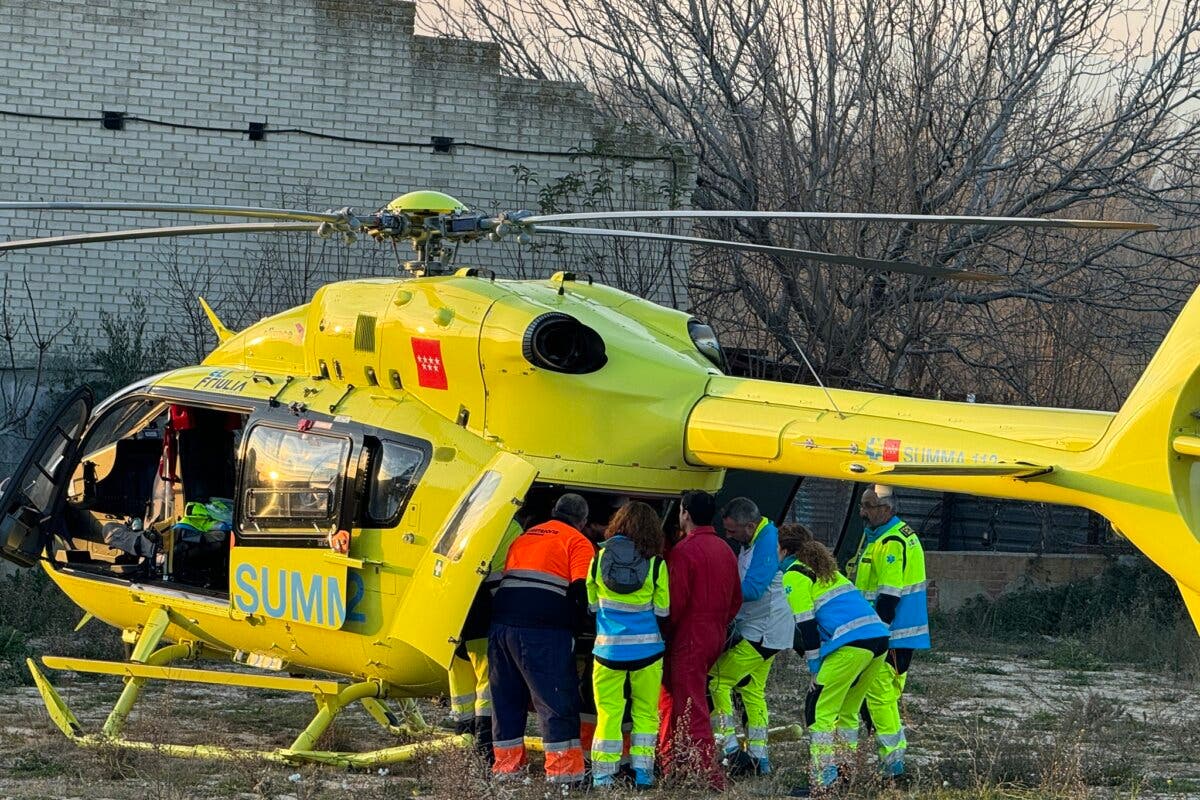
[(980, 726)]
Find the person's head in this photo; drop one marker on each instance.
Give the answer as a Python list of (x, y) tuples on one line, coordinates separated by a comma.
[(637, 521), (793, 536), (571, 509), (817, 557), (524, 517), (740, 518), (878, 505), (696, 510)]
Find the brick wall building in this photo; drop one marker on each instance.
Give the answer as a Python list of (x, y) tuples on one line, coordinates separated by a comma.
[(351, 100)]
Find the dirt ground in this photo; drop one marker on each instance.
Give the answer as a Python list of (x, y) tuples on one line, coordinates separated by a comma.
[(995, 726)]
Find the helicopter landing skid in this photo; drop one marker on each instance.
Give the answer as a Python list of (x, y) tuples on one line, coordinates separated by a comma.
[(331, 698), (147, 663)]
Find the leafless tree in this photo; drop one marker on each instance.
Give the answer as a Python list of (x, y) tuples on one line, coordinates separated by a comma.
[(273, 273), (186, 275), (28, 344), (1070, 108), (603, 178)]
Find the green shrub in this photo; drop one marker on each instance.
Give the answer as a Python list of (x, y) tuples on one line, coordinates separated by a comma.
[(13, 652)]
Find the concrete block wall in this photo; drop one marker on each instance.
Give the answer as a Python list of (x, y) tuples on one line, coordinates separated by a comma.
[(334, 67), (956, 577)]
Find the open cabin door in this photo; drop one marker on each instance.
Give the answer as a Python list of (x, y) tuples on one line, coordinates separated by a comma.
[(444, 584), (34, 493)]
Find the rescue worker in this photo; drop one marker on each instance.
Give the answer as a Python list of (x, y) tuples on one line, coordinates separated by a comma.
[(762, 628), (843, 641), (540, 605), (706, 594), (470, 691), (628, 591), (890, 571)]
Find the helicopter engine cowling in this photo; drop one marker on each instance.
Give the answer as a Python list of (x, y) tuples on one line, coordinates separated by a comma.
[(591, 390)]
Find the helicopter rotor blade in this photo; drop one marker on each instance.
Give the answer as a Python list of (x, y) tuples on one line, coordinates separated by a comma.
[(908, 267), (158, 233), (251, 212), (1020, 222)]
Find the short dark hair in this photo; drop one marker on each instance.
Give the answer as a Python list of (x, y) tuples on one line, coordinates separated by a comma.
[(741, 510), (571, 508), (700, 506)]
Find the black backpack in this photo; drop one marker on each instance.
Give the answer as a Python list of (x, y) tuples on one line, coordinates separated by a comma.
[(622, 568)]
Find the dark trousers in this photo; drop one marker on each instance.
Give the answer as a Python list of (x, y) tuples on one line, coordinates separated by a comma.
[(538, 665)]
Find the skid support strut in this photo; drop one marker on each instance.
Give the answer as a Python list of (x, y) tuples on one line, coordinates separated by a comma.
[(150, 662)]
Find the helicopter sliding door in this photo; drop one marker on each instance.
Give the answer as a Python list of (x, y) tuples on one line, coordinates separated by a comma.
[(33, 495)]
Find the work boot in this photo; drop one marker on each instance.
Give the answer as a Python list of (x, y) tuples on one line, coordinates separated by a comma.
[(762, 766), (894, 774), (738, 763), (483, 739), (643, 778)]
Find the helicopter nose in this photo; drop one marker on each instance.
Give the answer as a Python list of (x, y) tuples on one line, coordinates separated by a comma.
[(560, 343)]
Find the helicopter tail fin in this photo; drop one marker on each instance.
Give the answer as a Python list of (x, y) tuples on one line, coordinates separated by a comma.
[(1149, 471), (1192, 599), (222, 332)]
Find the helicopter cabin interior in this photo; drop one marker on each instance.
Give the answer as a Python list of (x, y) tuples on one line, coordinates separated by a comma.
[(163, 488), (152, 495)]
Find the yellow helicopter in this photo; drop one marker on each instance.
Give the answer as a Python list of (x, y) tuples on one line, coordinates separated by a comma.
[(322, 497)]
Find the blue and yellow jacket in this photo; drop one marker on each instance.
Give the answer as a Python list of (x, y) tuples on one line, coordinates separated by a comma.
[(827, 614), (891, 574), (627, 625), (764, 618)]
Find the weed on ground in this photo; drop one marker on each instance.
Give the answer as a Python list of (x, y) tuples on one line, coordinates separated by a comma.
[(1048, 713)]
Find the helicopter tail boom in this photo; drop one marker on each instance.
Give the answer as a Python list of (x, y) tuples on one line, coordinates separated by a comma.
[(1139, 468)]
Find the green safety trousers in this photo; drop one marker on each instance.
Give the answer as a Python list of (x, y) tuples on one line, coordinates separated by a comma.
[(832, 707), (609, 688), (470, 692), (883, 706), (743, 668)]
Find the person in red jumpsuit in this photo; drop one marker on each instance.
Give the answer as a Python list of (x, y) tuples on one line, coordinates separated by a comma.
[(706, 594)]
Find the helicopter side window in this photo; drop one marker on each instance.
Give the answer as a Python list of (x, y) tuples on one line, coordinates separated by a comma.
[(465, 519), (292, 480), (397, 468)]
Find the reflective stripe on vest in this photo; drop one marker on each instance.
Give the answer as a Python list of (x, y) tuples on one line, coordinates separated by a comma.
[(603, 640), (627, 624), (831, 593)]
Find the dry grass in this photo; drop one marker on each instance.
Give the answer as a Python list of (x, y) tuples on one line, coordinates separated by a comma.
[(1006, 718)]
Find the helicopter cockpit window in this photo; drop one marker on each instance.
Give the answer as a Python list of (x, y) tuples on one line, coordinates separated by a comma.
[(292, 480), (393, 481)]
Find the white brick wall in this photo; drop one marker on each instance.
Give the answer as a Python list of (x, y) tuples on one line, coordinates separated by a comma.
[(343, 67)]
